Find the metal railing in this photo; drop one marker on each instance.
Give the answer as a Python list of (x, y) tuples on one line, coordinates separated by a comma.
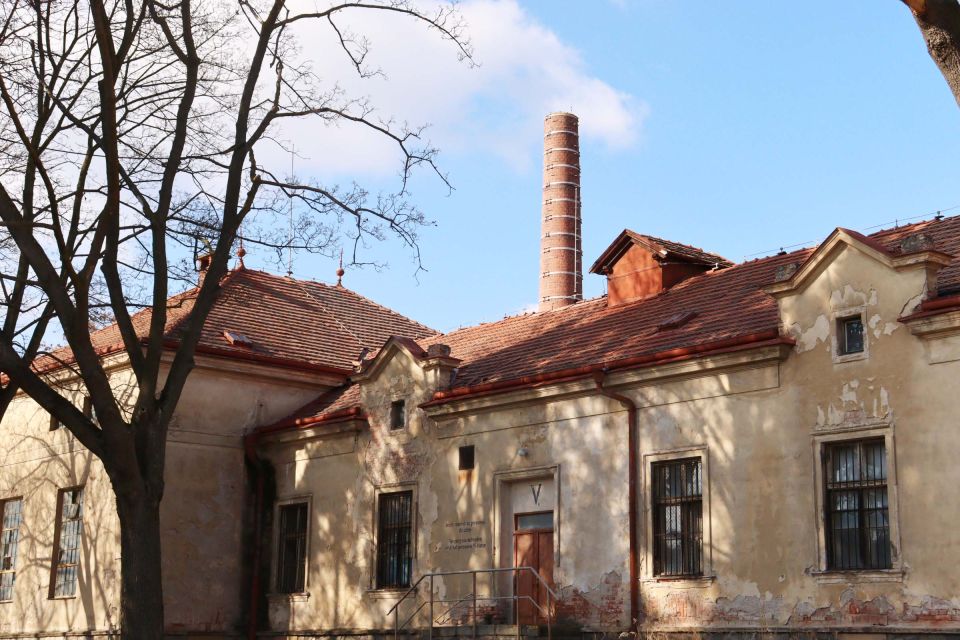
[(472, 598)]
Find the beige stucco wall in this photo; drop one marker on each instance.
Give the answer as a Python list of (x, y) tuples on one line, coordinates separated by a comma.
[(202, 511), (458, 513), (758, 418)]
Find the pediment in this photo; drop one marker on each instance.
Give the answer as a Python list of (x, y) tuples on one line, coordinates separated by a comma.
[(911, 254)]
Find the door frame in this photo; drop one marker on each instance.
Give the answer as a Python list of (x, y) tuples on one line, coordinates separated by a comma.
[(502, 481)]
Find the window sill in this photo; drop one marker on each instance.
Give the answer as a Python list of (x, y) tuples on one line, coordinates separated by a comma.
[(840, 358), (681, 581), (387, 593), (73, 597), (868, 575), (290, 597)]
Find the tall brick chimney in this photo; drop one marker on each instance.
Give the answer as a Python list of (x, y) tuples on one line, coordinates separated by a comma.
[(561, 257)]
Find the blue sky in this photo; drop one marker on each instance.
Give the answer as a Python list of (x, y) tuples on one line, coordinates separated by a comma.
[(739, 127)]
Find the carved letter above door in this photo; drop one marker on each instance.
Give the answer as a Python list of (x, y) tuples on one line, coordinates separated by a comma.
[(536, 489)]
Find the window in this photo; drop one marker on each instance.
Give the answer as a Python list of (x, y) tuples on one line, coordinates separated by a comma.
[(466, 457), (398, 417), (678, 517), (394, 534), (66, 562), (850, 335), (292, 554), (10, 518), (857, 519)]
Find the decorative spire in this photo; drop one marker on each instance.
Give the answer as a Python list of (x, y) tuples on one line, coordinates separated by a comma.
[(340, 270), (240, 253)]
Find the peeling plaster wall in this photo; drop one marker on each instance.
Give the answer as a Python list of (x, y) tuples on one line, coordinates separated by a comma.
[(202, 512), (759, 423), (767, 548), (760, 426), (579, 441)]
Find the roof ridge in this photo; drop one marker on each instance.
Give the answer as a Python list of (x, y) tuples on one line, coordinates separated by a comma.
[(927, 221), (661, 241)]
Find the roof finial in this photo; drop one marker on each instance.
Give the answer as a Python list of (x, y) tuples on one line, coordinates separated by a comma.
[(340, 270), (240, 253)]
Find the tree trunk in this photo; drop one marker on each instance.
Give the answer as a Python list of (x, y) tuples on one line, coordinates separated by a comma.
[(141, 594), (939, 22)]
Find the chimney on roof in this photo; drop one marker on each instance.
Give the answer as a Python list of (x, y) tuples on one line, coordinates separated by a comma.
[(204, 260), (561, 253)]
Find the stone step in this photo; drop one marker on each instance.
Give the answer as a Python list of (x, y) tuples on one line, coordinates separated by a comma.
[(484, 631)]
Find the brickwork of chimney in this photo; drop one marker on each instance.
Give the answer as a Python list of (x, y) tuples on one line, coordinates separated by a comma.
[(561, 257)]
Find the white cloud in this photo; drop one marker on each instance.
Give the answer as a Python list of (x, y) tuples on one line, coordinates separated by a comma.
[(525, 71)]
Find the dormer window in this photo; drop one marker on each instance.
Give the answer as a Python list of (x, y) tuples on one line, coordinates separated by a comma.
[(850, 335), (398, 415)]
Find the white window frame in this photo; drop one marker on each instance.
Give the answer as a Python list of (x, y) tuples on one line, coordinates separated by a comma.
[(13, 569), (646, 503), (57, 539)]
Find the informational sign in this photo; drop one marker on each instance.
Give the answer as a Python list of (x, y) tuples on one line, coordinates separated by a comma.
[(466, 535)]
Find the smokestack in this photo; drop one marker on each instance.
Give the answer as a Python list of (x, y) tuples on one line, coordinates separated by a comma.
[(561, 254)]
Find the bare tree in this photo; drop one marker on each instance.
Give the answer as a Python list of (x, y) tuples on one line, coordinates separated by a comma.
[(129, 135), (939, 22)]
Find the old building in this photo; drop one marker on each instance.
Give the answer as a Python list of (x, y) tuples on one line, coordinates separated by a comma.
[(762, 447), (270, 345)]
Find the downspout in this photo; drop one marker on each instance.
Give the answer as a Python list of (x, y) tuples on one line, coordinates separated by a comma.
[(250, 451), (632, 447)]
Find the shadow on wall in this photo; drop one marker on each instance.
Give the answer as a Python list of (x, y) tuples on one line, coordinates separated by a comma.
[(39, 463)]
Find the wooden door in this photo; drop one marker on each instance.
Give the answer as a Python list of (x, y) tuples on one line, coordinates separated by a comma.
[(533, 547)]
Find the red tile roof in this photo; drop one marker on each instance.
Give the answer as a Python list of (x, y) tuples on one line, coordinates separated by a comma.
[(338, 401), (718, 307), (666, 248), (284, 319)]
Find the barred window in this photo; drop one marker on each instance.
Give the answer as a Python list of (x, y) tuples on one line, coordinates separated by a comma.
[(10, 517), (67, 542), (394, 536), (292, 555), (857, 512), (677, 518)]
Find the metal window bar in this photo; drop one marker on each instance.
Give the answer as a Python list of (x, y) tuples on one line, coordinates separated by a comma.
[(394, 533), (856, 506), (11, 511), (678, 517), (69, 531), (292, 554)]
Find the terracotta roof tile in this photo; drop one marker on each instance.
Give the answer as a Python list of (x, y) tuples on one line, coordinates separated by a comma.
[(728, 303), (694, 254), (334, 401), (718, 305), (666, 248), (284, 319)]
